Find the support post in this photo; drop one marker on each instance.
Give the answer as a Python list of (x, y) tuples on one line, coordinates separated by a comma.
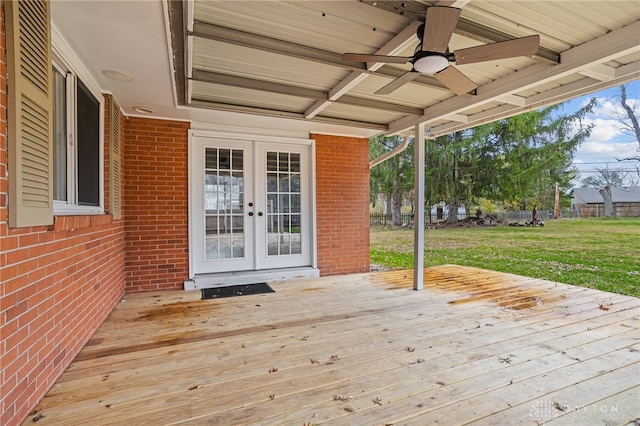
[(418, 209)]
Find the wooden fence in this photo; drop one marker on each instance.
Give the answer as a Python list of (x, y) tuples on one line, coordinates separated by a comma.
[(521, 216)]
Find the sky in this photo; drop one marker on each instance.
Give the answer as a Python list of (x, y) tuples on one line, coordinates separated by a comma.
[(606, 143)]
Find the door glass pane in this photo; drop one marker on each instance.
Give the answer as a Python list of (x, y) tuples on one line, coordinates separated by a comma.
[(296, 237), (295, 183), (272, 182), (284, 182), (283, 162), (224, 159), (272, 161), (283, 204), (211, 158), (295, 203), (237, 160), (295, 163), (224, 204)]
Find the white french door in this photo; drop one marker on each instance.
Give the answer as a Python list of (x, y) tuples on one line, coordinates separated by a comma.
[(251, 205)]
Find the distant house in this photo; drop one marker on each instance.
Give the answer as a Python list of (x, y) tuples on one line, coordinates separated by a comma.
[(587, 202)]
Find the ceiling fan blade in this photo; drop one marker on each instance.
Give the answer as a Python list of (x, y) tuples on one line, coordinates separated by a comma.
[(439, 27), (455, 80), (358, 57), (395, 84), (525, 46)]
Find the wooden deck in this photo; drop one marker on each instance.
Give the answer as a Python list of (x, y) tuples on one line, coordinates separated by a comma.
[(474, 347)]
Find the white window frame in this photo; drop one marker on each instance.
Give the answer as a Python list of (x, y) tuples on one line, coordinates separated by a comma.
[(67, 63)]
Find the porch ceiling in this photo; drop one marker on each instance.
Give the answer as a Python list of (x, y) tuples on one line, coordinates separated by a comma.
[(216, 61)]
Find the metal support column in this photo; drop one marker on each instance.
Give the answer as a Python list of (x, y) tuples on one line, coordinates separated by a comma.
[(418, 209)]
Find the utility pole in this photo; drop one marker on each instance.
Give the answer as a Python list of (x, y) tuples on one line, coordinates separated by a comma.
[(556, 205)]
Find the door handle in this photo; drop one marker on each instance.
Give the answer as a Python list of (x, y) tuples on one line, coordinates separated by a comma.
[(259, 213), (250, 213)]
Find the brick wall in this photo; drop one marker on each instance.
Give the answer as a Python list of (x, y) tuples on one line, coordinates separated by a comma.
[(58, 284), (155, 204), (342, 200)]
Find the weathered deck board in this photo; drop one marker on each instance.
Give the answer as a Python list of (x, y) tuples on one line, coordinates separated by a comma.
[(474, 346)]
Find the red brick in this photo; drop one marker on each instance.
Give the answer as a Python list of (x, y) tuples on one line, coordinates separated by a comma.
[(342, 169), (155, 151)]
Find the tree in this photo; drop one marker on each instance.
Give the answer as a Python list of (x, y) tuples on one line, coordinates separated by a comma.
[(515, 161), (608, 200), (454, 170), (393, 178), (604, 181), (627, 118), (605, 177)]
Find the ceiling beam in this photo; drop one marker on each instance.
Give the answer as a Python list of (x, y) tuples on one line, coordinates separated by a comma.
[(621, 42), (452, 3), (301, 92), (466, 28), (513, 100), (175, 10), (285, 114), (601, 72)]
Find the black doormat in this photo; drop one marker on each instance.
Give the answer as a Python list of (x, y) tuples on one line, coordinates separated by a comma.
[(236, 290)]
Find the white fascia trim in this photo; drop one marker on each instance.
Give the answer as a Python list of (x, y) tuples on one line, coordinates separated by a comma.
[(246, 136), (167, 30)]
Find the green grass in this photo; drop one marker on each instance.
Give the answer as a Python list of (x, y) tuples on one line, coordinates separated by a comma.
[(597, 253)]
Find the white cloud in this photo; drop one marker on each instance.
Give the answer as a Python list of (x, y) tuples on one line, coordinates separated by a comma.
[(604, 129), (607, 142), (596, 148)]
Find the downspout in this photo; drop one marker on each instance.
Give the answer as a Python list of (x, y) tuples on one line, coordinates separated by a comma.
[(395, 151)]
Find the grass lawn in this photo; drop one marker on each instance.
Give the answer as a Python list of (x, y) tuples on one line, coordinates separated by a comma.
[(597, 253)]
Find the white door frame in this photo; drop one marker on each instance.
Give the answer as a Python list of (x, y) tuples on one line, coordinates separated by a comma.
[(252, 138)]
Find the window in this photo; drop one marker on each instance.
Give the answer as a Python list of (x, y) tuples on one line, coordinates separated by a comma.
[(77, 147), (54, 122)]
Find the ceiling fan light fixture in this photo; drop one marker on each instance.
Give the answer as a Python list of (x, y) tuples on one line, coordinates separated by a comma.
[(430, 64)]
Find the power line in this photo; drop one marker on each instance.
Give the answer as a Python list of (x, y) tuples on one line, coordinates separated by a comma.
[(605, 162), (616, 170)]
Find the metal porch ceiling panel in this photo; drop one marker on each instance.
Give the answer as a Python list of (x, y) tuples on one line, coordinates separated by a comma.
[(482, 108), (215, 56), (562, 24), (248, 98), (335, 26), (631, 58), (555, 85), (356, 113)]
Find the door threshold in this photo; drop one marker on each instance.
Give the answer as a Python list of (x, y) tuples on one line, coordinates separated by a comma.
[(224, 279)]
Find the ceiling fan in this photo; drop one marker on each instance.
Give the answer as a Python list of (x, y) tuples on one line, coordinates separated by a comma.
[(432, 55)]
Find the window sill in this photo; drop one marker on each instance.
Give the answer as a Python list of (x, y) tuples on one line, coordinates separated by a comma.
[(63, 209)]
